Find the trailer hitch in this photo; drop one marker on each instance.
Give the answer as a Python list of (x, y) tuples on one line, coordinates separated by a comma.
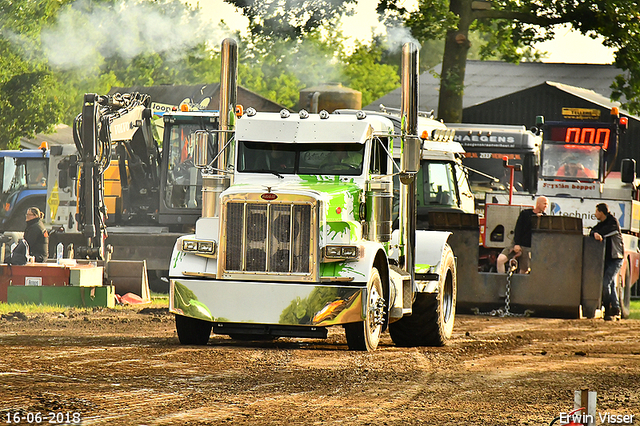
[(506, 312)]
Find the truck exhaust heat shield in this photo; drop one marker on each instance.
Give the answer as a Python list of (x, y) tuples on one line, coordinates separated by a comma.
[(410, 162)]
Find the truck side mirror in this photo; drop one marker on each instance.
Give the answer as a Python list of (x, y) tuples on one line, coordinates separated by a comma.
[(67, 169), (73, 166), (530, 173), (200, 142), (410, 160), (628, 170), (63, 179)]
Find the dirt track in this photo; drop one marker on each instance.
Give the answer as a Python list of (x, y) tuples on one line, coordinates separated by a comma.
[(127, 368)]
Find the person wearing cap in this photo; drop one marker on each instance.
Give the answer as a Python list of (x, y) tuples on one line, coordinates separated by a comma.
[(608, 230)]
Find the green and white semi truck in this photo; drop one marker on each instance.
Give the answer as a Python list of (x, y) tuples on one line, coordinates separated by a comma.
[(296, 232)]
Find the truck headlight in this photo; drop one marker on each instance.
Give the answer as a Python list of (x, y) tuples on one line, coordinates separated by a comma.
[(206, 246), (341, 252), (350, 251), (189, 245), (203, 247), (332, 251)]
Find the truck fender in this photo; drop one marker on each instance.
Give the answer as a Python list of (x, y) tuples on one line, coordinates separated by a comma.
[(430, 247), (361, 269), (183, 261)]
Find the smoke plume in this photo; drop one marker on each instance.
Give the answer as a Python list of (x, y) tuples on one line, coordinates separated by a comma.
[(398, 36), (85, 34)]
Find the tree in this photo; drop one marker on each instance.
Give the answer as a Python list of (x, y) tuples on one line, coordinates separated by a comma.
[(290, 19), (512, 26), (365, 72), (31, 98), (278, 69), (54, 51)]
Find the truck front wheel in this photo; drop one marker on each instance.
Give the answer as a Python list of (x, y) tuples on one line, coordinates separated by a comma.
[(433, 315), (192, 331), (365, 335)]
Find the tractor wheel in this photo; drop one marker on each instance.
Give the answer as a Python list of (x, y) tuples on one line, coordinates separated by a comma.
[(193, 331), (433, 315), (365, 335)]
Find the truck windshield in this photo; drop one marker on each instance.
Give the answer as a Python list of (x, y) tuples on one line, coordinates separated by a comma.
[(21, 173), (570, 162), (306, 159), (493, 165)]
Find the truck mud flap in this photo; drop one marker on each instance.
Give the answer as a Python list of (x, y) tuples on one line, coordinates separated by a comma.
[(554, 288), (128, 276)]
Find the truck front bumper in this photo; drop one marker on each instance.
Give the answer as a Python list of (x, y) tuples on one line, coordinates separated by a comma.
[(255, 302)]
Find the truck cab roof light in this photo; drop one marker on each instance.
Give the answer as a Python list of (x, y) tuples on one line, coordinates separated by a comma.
[(360, 115), (251, 112), (324, 114), (285, 113), (303, 113), (615, 112), (184, 108)]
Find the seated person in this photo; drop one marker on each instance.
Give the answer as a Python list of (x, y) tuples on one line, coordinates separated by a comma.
[(575, 169), (279, 161), (343, 159)]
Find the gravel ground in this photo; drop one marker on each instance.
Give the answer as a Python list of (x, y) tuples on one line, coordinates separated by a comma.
[(126, 367)]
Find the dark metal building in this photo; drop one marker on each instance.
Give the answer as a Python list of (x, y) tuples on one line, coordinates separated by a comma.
[(504, 93), (549, 99)]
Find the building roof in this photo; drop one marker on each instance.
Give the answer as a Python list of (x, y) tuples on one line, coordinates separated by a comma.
[(201, 96), (61, 135), (163, 98), (486, 80)]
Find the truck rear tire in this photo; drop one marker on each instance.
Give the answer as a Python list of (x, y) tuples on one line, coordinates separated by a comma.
[(433, 315), (193, 331), (365, 335)]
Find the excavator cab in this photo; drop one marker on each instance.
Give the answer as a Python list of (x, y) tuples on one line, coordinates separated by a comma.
[(181, 188)]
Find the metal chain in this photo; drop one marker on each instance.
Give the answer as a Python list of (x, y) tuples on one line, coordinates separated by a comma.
[(513, 267)]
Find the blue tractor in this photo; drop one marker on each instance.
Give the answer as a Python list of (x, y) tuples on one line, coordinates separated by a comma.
[(23, 182)]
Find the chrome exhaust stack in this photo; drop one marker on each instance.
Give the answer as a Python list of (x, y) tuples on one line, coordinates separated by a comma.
[(410, 160), (214, 183)]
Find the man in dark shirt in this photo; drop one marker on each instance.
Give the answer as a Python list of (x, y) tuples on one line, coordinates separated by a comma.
[(522, 238), (608, 230)]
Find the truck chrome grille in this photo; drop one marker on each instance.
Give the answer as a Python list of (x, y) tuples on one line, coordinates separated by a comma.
[(268, 238)]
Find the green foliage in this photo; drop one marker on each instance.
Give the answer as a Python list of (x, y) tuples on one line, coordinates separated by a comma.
[(510, 27), (364, 71), (32, 106), (275, 20)]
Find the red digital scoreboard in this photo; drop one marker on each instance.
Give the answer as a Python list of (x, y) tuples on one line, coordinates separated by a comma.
[(581, 134)]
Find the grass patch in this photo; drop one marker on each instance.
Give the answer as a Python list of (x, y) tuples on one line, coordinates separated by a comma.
[(157, 301), (634, 312), (30, 308)]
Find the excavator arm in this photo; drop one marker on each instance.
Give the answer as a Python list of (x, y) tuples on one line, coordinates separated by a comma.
[(106, 120)]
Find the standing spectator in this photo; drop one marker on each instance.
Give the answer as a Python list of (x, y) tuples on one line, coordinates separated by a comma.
[(36, 235), (608, 230), (522, 238)]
